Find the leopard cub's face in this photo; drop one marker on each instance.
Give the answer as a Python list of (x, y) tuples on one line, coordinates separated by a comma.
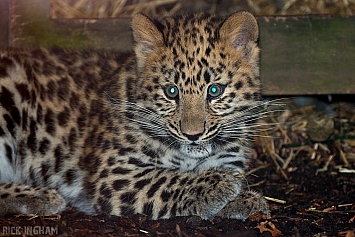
[(198, 78)]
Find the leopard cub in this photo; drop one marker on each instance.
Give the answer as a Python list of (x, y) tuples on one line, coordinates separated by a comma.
[(162, 130)]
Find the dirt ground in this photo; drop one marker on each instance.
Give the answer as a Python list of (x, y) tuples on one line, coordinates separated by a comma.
[(316, 205), (310, 187)]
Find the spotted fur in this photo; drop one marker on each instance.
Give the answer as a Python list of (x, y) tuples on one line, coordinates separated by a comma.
[(161, 131)]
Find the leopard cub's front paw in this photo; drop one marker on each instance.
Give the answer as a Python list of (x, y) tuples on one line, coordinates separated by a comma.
[(53, 201), (31, 201), (245, 204), (209, 193)]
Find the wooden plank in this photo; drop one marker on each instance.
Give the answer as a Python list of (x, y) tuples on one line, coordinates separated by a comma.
[(78, 34), (4, 22), (299, 55), (307, 55), (33, 28), (26, 16)]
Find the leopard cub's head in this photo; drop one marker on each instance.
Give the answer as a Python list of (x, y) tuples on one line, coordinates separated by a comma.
[(198, 78)]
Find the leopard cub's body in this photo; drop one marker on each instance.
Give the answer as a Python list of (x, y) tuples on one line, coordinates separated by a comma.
[(162, 131)]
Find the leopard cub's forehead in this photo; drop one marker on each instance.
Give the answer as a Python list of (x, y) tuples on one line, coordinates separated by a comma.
[(193, 54), (197, 30)]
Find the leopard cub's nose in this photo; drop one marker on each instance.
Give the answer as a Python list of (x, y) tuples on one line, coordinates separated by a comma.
[(193, 137)]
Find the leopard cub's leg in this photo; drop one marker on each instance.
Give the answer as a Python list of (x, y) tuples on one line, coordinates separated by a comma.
[(22, 199), (244, 205)]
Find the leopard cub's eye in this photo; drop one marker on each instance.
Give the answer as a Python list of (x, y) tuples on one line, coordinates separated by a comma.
[(171, 92), (215, 91)]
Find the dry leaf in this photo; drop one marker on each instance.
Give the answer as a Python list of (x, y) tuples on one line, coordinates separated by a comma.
[(352, 219), (270, 227), (350, 234)]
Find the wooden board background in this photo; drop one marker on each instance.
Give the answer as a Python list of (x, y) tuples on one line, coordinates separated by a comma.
[(299, 55), (308, 55), (5, 6)]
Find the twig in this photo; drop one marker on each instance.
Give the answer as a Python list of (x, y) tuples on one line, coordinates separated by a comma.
[(275, 200)]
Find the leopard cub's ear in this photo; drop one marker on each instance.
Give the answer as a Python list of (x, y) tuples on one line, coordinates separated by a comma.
[(146, 36), (242, 31)]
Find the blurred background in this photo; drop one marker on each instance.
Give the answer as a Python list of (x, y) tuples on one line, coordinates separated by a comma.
[(127, 8)]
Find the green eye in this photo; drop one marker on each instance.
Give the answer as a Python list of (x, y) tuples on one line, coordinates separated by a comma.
[(215, 91), (171, 92)]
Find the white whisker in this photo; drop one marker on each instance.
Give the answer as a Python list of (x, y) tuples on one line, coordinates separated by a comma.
[(146, 119), (241, 126)]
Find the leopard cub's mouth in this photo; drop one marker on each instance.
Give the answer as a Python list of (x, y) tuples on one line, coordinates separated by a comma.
[(196, 150)]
